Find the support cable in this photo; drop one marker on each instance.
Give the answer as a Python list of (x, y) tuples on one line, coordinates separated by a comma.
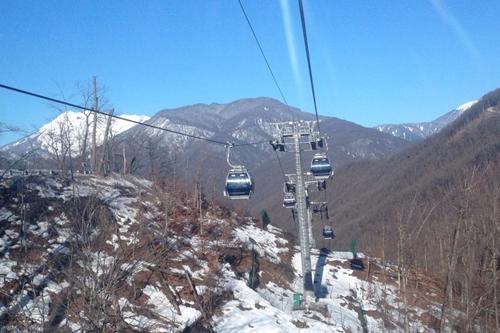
[(264, 56), (259, 45), (281, 166), (306, 44), (50, 99)]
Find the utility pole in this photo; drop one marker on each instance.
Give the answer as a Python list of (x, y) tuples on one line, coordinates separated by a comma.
[(94, 131)]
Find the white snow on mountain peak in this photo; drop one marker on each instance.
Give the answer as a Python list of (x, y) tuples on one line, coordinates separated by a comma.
[(78, 120), (67, 131), (120, 125), (421, 130), (466, 106)]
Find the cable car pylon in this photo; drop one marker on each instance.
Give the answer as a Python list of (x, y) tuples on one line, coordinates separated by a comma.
[(296, 136)]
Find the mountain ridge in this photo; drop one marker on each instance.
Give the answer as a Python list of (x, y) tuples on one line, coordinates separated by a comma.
[(420, 130), (67, 129)]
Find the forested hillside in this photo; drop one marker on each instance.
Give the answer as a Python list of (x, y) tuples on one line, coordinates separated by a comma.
[(434, 208)]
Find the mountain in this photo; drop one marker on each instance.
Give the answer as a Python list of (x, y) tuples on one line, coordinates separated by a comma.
[(432, 207), (419, 131), (248, 120), (365, 194), (67, 131), (189, 161), (242, 121), (122, 254), (429, 210), (152, 152)]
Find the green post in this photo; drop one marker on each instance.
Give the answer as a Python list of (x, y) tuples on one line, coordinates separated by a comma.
[(250, 279), (265, 219), (297, 300), (353, 249)]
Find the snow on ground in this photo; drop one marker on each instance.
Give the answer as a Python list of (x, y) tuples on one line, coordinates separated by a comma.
[(345, 297), (268, 243), (5, 214), (48, 189), (113, 190), (251, 312), (38, 309), (164, 309), (6, 272), (349, 303)]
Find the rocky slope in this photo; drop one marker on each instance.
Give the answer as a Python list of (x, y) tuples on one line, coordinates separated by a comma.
[(117, 254)]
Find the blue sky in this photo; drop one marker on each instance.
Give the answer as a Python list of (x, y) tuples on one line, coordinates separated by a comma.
[(373, 61)]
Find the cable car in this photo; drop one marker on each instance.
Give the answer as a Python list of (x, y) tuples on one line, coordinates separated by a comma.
[(321, 167), (328, 232), (239, 184), (289, 200)]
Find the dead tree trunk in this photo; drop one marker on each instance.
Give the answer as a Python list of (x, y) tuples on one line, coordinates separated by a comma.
[(171, 297), (448, 290), (83, 152), (94, 131), (124, 160), (102, 165), (206, 317), (496, 255)]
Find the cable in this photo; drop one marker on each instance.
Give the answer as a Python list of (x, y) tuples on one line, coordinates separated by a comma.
[(264, 55), (272, 75), (306, 44), (281, 166), (25, 92), (250, 143)]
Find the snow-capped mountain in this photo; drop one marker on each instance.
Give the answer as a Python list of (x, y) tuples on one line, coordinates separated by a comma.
[(151, 151), (68, 131), (242, 121), (418, 131)]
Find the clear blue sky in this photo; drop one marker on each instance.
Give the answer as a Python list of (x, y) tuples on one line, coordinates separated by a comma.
[(374, 61)]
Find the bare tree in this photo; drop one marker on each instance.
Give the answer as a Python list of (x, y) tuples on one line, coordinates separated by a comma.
[(94, 128), (86, 97), (103, 166), (59, 141)]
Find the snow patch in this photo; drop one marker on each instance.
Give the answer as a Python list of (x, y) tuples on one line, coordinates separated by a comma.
[(268, 243)]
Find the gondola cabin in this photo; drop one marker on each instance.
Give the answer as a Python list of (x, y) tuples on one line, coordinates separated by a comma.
[(328, 232), (289, 200), (321, 167), (239, 184)]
